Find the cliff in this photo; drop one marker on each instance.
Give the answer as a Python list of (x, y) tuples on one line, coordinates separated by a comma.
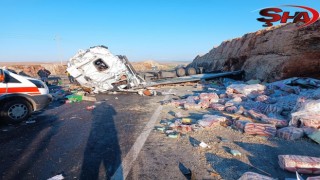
[(270, 54)]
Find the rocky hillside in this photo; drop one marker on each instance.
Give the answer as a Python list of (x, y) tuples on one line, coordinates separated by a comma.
[(270, 54)]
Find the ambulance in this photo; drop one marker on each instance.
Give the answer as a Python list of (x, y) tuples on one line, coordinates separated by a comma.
[(20, 96)]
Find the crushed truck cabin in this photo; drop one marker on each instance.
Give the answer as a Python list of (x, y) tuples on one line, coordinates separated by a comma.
[(99, 71)]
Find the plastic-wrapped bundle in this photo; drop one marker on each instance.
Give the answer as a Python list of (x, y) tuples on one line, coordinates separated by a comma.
[(262, 98), (316, 94), (286, 102), (301, 164), (254, 176), (233, 96), (263, 107), (232, 109), (211, 120), (284, 87), (177, 103), (260, 129), (240, 124), (237, 99), (306, 120), (313, 178), (244, 88), (212, 97), (192, 106), (204, 103), (256, 115), (307, 114), (277, 122), (230, 103), (217, 107), (263, 118), (290, 133), (192, 99)]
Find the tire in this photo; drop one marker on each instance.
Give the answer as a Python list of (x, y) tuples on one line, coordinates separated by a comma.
[(191, 71), (15, 111), (181, 72)]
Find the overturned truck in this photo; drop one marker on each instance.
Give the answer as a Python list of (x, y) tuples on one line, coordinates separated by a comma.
[(98, 70)]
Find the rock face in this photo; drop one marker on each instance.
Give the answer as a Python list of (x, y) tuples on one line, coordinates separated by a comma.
[(270, 54)]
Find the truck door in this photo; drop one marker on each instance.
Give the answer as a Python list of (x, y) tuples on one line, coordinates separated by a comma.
[(3, 85)]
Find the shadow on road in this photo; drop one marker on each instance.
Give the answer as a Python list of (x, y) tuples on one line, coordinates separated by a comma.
[(23, 146), (102, 155)]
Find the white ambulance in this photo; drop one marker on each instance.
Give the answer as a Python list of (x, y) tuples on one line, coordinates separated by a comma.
[(20, 96)]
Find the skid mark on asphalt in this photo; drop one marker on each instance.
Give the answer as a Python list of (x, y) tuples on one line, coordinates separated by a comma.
[(126, 165)]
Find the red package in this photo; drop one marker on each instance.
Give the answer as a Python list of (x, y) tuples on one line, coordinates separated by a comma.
[(301, 164)]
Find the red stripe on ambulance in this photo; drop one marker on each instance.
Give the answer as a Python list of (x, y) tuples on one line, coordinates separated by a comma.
[(20, 90)]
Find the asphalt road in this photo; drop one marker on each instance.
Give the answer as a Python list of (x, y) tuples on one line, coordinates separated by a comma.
[(67, 139)]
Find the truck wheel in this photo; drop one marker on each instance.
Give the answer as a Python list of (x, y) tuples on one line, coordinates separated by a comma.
[(191, 71), (16, 111), (181, 72)]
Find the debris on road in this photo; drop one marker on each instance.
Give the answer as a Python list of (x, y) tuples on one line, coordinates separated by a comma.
[(57, 177), (244, 89), (315, 136), (298, 176), (89, 98), (211, 120), (282, 107), (204, 145), (301, 164), (173, 134), (31, 121), (185, 171), (74, 98), (89, 108), (260, 129), (252, 176), (306, 114), (290, 133), (313, 178), (235, 152)]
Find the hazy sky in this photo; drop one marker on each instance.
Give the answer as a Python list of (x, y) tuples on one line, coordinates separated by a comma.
[(51, 30)]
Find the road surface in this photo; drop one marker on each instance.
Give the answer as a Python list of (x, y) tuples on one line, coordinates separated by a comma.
[(67, 139)]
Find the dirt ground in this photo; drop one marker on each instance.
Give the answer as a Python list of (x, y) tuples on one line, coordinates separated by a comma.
[(162, 154)]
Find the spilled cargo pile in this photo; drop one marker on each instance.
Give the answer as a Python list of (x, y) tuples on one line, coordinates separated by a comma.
[(288, 109), (284, 112), (72, 94)]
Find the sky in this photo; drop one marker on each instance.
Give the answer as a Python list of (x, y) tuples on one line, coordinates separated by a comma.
[(163, 30)]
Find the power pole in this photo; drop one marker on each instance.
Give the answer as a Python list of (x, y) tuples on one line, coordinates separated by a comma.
[(59, 49)]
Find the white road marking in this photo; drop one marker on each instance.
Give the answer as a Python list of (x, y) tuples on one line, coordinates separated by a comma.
[(126, 165)]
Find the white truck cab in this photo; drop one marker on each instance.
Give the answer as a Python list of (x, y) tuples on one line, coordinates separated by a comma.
[(20, 96)]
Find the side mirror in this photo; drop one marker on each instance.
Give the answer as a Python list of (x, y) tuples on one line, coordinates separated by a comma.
[(2, 75)]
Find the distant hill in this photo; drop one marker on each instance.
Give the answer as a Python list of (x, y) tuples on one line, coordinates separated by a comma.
[(31, 68), (162, 65)]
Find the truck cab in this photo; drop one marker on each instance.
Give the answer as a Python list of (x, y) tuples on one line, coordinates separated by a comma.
[(20, 96)]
